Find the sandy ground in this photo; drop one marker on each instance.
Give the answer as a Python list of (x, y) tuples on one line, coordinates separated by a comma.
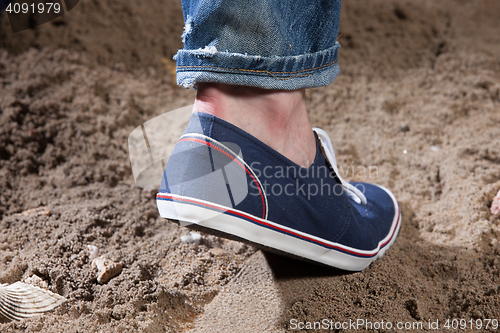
[(418, 100)]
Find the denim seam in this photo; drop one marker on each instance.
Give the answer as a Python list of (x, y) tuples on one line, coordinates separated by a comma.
[(266, 72)]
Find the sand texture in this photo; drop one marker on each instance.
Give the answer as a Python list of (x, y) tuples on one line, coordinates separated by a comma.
[(416, 109)]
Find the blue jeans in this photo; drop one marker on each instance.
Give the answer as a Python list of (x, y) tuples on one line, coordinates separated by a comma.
[(271, 44)]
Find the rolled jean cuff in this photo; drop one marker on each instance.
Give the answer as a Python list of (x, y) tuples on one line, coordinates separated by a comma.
[(275, 72)]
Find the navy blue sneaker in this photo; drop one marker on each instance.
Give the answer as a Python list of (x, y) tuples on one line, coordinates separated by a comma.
[(221, 180)]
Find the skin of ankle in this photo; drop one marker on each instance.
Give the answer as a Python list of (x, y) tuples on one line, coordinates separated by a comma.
[(276, 117)]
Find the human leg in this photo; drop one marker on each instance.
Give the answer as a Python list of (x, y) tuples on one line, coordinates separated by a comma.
[(278, 48), (263, 43), (278, 117), (249, 166)]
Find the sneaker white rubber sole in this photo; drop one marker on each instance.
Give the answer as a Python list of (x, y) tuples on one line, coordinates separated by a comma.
[(217, 218)]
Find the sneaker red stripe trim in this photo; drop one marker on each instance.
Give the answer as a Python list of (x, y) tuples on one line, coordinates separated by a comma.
[(272, 226)]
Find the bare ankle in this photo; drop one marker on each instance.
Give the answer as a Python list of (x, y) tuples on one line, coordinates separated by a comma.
[(276, 117)]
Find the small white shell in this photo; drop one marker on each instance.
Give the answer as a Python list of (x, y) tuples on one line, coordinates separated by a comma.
[(194, 237), (495, 206), (36, 281), (107, 269), (36, 212), (21, 300), (94, 251)]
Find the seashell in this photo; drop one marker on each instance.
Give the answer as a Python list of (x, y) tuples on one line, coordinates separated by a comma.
[(194, 237), (495, 206), (94, 251), (36, 212), (20, 300), (36, 281), (107, 269)]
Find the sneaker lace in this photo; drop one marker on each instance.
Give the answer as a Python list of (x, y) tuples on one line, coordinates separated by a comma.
[(351, 191)]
